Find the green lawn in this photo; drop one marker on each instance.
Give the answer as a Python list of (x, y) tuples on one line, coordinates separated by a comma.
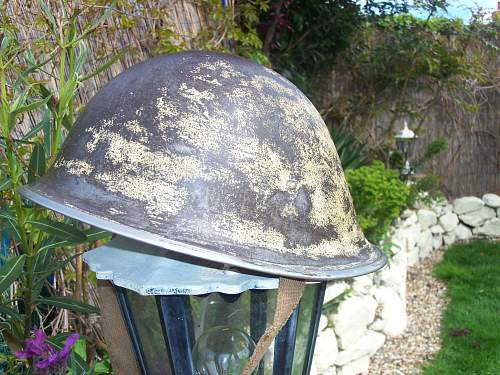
[(471, 323)]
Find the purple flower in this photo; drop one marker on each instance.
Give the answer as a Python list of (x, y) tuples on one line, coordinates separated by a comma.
[(46, 358)]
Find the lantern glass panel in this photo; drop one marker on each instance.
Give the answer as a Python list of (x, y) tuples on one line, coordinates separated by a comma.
[(148, 326), (403, 145), (223, 330)]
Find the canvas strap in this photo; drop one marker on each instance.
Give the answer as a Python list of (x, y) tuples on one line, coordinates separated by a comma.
[(115, 332), (289, 294)]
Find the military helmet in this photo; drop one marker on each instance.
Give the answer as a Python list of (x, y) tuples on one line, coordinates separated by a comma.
[(216, 157)]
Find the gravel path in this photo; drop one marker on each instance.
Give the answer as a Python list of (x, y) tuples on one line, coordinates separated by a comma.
[(404, 355)]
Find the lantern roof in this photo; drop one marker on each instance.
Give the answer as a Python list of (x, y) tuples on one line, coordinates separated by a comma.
[(216, 157), (406, 133), (146, 270)]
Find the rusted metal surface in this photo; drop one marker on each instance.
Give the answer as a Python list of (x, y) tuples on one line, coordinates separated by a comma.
[(216, 157)]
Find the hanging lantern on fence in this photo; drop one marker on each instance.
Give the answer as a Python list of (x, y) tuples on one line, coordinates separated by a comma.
[(226, 194)]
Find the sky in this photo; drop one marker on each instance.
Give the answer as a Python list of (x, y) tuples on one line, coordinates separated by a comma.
[(459, 8)]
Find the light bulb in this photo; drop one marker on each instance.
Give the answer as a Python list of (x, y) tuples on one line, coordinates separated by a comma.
[(222, 350)]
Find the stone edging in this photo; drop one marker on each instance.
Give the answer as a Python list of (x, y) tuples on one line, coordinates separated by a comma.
[(361, 312)]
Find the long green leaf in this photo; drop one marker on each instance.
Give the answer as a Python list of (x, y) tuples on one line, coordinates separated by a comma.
[(5, 184), (106, 65), (6, 40), (82, 56), (30, 107), (105, 15), (11, 271), (37, 163), (68, 304), (53, 243), (47, 133), (60, 230), (67, 94), (20, 100), (48, 269), (48, 14), (94, 234), (38, 127), (41, 258), (11, 224), (5, 310)]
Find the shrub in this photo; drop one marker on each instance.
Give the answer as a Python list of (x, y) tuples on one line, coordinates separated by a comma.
[(379, 196), (352, 153)]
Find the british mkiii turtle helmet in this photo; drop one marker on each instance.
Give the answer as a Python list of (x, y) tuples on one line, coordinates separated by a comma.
[(216, 157)]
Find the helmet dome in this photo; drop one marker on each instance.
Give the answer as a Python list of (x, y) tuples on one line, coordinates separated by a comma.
[(213, 156)]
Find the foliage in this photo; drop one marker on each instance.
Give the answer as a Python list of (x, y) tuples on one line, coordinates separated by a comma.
[(431, 150), (470, 330), (41, 243), (352, 153), (391, 58), (378, 195), (232, 29), (303, 37), (223, 29)]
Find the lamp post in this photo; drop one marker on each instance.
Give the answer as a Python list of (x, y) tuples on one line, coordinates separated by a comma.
[(404, 140), (226, 195)]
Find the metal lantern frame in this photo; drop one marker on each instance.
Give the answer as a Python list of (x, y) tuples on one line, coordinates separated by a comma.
[(175, 320), (404, 141), (114, 262)]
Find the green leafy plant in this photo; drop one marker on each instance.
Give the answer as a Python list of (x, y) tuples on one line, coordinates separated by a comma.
[(352, 153), (41, 243), (379, 196), (304, 37)]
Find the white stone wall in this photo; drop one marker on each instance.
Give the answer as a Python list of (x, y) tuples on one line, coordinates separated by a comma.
[(361, 312)]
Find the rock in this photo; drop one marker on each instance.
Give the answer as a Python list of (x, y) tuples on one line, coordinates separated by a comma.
[(425, 244), (357, 367), (463, 232), (449, 238), (426, 218), (437, 241), (498, 212), (325, 352), (393, 318), (353, 315), (491, 228), (406, 214), (491, 200), (437, 229), (334, 289), (362, 284), (393, 275), (368, 344), (447, 209), (438, 209), (467, 204), (478, 217), (406, 237), (449, 221), (413, 256), (410, 220)]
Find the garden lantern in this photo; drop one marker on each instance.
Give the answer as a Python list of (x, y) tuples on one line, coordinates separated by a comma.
[(199, 319), (209, 165), (404, 140)]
